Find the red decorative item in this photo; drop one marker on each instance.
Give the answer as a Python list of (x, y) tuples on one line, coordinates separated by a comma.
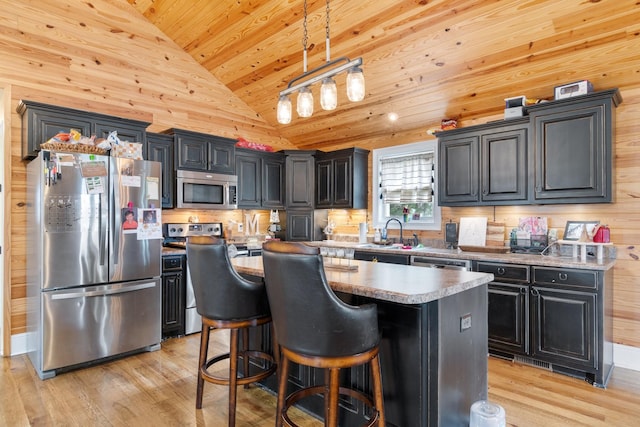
[(243, 143), (602, 234)]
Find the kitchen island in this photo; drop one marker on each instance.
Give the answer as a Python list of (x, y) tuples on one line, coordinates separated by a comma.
[(434, 341)]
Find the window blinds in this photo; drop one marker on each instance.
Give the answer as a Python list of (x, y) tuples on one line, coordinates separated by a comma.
[(407, 179)]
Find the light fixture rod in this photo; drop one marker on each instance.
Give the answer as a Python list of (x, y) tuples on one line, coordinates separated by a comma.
[(330, 73)]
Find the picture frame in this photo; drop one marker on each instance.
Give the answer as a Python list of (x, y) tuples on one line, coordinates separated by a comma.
[(573, 229)]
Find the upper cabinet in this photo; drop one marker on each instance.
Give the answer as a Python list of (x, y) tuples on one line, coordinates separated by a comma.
[(40, 122), (562, 152), (341, 179), (574, 146), (202, 152), (484, 165), (160, 149), (300, 176), (260, 179)]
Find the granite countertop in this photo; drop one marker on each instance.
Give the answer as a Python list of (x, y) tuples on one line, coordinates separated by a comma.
[(512, 258), (389, 282)]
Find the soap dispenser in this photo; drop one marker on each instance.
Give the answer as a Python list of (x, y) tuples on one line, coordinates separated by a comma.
[(376, 236)]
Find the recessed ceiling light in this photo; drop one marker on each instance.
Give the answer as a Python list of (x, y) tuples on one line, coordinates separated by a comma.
[(392, 116)]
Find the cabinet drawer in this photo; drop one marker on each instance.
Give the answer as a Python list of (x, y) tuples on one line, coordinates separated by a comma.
[(565, 277), (505, 272), (171, 263)]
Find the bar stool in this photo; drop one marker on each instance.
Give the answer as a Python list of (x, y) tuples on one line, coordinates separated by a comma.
[(315, 328), (226, 300)]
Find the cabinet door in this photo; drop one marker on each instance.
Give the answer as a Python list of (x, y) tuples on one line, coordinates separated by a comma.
[(192, 153), (324, 184), (173, 304), (503, 168), (573, 155), (458, 171), (273, 177), (221, 155), (40, 124), (300, 225), (160, 149), (299, 181), (509, 318), (342, 182), (248, 167), (564, 327)]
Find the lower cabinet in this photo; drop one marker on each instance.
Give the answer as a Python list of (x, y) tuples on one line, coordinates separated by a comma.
[(173, 295), (558, 318)]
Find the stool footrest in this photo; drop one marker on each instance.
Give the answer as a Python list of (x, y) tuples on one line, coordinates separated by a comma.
[(262, 374)]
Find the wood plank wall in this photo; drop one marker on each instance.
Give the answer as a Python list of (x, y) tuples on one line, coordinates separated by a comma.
[(103, 57)]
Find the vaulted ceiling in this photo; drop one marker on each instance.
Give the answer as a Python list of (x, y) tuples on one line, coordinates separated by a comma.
[(424, 60)]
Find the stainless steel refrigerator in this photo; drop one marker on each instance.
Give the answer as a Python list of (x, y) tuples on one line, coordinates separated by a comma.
[(94, 259)]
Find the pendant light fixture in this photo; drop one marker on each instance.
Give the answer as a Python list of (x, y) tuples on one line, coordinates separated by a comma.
[(324, 73)]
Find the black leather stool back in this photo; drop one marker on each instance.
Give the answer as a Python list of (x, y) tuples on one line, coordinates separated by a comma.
[(308, 317), (221, 293)]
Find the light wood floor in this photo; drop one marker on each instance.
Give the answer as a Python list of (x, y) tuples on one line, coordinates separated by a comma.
[(158, 389)]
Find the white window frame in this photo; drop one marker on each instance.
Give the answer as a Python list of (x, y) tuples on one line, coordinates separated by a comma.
[(378, 219)]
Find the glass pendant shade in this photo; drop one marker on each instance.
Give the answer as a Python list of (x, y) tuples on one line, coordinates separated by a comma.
[(304, 106), (355, 84), (284, 110), (328, 94)]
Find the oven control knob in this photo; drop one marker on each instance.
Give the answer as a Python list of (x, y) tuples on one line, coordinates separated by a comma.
[(172, 229), (180, 229)]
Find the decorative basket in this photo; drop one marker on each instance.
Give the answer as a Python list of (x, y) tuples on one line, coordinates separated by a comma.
[(73, 148)]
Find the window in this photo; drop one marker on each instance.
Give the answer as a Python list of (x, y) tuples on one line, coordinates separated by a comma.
[(404, 186)]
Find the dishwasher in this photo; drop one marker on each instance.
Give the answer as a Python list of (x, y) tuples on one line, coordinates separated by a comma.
[(446, 263)]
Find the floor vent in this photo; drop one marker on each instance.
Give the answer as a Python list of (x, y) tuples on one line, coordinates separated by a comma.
[(532, 362)]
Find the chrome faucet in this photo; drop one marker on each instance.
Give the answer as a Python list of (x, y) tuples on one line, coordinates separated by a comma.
[(398, 221)]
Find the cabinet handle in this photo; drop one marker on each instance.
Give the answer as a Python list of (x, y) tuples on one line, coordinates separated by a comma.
[(562, 276), (535, 292), (523, 291), (374, 259), (500, 271)]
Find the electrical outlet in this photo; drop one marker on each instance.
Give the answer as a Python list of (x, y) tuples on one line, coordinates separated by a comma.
[(465, 322), (240, 227)]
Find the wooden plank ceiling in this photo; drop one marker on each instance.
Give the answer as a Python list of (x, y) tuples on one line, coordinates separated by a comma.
[(424, 60)]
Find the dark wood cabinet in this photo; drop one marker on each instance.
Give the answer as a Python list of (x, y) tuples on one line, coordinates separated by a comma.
[(485, 165), (574, 145), (508, 307), (160, 149), (203, 152), (173, 295), (261, 179), (40, 122), (560, 318), (342, 179), (300, 179)]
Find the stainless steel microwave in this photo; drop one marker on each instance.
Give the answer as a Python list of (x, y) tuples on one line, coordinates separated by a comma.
[(203, 190)]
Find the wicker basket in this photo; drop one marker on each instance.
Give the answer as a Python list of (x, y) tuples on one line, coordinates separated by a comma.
[(72, 148)]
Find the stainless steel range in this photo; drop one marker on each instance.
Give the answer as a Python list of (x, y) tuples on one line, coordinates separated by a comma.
[(176, 236)]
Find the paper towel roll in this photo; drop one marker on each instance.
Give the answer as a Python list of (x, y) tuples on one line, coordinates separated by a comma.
[(363, 232)]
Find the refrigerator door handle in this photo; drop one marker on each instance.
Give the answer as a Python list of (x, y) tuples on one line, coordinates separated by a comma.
[(116, 231), (71, 295), (102, 227)]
